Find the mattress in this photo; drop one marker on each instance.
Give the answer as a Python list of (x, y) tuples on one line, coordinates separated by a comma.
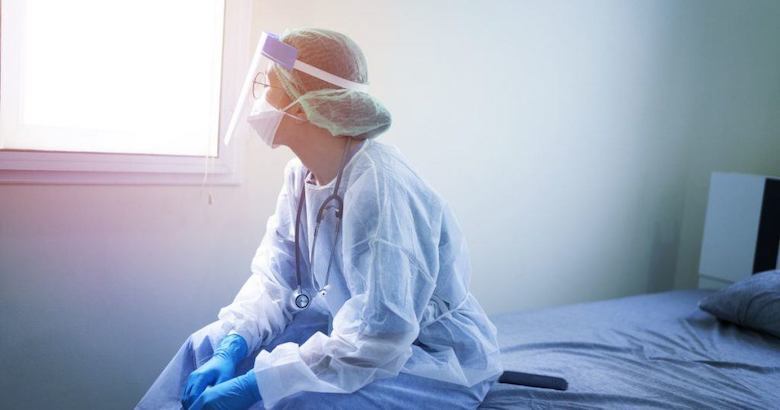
[(648, 351)]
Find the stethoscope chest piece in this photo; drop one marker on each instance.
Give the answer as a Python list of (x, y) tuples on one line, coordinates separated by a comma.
[(302, 301)]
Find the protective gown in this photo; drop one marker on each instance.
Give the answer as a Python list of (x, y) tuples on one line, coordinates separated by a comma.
[(398, 290)]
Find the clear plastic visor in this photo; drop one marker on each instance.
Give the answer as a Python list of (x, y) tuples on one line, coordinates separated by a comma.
[(257, 84)]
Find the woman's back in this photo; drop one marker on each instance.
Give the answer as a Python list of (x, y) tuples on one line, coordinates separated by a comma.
[(387, 202)]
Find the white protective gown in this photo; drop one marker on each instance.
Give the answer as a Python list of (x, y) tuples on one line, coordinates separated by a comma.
[(399, 285)]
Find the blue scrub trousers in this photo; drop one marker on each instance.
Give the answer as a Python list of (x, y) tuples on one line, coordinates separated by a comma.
[(401, 392)]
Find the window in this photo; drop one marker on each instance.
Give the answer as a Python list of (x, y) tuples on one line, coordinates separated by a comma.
[(116, 92)]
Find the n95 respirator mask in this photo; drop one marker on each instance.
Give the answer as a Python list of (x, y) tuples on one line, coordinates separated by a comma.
[(265, 119)]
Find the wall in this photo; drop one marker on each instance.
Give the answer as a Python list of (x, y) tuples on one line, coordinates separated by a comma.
[(573, 139), (735, 127)]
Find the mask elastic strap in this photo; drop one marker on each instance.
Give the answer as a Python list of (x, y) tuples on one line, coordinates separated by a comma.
[(284, 110)]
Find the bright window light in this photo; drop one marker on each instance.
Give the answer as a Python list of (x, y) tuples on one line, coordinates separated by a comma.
[(137, 77)]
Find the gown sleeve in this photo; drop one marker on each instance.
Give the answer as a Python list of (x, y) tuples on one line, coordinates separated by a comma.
[(262, 308), (374, 329)]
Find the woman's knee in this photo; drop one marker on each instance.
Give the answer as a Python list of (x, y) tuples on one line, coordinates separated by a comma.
[(310, 400), (360, 399)]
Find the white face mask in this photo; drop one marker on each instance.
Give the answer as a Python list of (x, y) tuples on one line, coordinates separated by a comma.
[(265, 119)]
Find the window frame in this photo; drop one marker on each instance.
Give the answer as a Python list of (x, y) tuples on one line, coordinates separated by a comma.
[(59, 167)]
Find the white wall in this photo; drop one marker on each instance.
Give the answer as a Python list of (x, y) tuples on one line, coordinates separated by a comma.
[(736, 124), (573, 139), (558, 132)]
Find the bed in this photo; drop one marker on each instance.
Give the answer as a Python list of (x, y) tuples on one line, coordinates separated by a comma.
[(648, 351)]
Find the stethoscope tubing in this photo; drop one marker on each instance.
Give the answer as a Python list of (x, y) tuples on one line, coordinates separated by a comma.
[(303, 302)]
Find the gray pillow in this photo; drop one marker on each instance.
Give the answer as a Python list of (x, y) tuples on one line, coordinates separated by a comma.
[(753, 302)]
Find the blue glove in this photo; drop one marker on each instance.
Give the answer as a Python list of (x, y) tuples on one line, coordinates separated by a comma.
[(238, 393), (221, 367)]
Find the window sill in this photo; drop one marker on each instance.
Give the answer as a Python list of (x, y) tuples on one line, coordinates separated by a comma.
[(27, 167)]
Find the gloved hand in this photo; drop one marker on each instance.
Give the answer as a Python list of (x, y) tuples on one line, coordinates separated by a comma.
[(238, 393), (221, 367)]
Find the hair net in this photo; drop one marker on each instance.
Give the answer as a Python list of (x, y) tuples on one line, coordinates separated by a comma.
[(340, 111)]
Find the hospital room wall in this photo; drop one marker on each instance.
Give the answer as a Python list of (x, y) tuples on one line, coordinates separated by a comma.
[(737, 126), (554, 137), (573, 139)]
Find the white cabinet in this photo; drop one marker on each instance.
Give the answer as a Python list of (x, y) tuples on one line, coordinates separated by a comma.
[(741, 228)]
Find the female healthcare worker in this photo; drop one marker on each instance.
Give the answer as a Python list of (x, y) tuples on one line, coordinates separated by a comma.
[(358, 236)]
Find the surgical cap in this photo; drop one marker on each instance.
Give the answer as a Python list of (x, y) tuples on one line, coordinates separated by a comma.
[(341, 111)]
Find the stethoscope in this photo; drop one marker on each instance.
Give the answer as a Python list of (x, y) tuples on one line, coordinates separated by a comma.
[(301, 299)]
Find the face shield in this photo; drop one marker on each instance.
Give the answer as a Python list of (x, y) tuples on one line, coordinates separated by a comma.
[(271, 50)]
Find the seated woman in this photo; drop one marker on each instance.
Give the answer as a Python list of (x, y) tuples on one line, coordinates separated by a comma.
[(359, 294)]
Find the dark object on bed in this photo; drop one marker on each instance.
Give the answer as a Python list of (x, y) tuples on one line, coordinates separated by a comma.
[(533, 380), (753, 302), (648, 351)]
